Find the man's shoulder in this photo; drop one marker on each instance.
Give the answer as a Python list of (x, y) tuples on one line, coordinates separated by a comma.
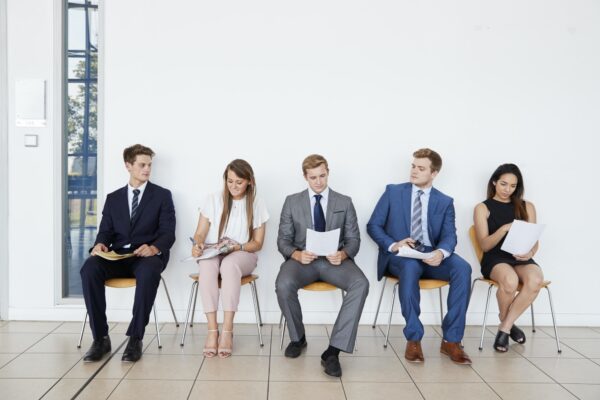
[(296, 196), (441, 196), (339, 196), (158, 189), (398, 187)]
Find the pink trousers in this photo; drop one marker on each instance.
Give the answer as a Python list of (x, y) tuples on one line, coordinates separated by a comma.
[(231, 268)]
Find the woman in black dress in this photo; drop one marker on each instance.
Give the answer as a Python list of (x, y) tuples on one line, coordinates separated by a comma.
[(493, 219)]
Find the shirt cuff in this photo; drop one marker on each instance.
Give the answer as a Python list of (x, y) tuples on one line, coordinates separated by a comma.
[(446, 253), (390, 248)]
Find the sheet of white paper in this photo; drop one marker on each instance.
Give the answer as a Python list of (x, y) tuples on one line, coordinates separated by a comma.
[(208, 253), (522, 237), (406, 251), (322, 243)]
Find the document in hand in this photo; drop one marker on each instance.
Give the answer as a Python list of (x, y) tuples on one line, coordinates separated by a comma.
[(322, 243), (208, 252), (406, 251), (521, 237), (112, 256)]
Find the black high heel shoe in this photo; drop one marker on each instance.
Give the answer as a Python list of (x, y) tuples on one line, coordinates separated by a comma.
[(501, 342), (517, 334)]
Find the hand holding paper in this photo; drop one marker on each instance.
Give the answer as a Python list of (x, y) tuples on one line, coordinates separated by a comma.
[(322, 243), (521, 237)]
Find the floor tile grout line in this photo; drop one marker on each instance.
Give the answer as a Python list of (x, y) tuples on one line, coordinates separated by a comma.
[(196, 378), (269, 368), (91, 378), (406, 370)]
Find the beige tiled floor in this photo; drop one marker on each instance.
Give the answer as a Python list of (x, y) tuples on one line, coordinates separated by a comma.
[(41, 360)]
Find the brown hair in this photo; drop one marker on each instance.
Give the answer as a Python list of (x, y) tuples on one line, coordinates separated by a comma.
[(517, 197), (130, 153), (243, 170), (434, 157), (313, 161)]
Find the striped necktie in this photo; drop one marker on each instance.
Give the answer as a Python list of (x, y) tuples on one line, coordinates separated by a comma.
[(134, 203), (416, 231)]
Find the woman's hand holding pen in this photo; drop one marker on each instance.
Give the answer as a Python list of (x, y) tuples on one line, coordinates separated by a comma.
[(197, 248)]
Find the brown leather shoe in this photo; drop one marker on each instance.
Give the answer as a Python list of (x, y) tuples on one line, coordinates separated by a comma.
[(455, 352), (413, 352)]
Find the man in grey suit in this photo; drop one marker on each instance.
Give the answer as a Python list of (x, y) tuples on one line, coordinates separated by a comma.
[(306, 210)]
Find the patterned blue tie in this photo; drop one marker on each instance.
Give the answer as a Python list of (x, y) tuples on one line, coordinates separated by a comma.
[(134, 203), (319, 215), (416, 230)]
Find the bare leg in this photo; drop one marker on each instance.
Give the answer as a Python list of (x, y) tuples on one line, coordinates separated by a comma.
[(508, 282), (532, 278), (212, 335)]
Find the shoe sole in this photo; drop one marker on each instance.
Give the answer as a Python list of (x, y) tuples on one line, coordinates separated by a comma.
[(456, 362), (415, 361), (327, 373), (299, 354)]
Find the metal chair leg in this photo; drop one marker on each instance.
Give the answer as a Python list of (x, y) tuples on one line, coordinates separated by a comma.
[(156, 324), (187, 315), (257, 305), (170, 302), (194, 305), (487, 304), (379, 304), (256, 312), (387, 334), (282, 332), (532, 319), (441, 308), (553, 320), (280, 320), (82, 329)]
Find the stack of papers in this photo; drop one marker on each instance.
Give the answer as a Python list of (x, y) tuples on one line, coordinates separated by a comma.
[(112, 256), (521, 237)]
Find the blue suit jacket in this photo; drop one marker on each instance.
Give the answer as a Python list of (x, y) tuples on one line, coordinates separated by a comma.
[(390, 221), (154, 223)]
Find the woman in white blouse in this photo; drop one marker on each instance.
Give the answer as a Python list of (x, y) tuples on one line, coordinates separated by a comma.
[(232, 220)]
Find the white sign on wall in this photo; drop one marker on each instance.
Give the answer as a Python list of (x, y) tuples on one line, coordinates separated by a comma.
[(30, 103)]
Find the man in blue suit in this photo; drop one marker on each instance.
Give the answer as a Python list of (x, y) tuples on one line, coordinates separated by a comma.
[(138, 218), (417, 215)]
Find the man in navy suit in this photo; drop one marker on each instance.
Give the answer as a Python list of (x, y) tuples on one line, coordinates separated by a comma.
[(138, 218), (417, 215)]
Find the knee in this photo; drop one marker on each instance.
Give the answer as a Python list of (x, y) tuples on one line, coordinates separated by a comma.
[(148, 274), (509, 284), (534, 284), (230, 270), (361, 286), (410, 270), (285, 286), (91, 268)]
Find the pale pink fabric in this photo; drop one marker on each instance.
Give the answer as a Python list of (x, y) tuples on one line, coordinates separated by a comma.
[(231, 267)]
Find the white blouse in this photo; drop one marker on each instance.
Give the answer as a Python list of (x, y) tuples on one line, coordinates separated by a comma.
[(237, 226)]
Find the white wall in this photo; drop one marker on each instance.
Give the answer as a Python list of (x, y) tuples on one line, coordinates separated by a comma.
[(364, 83)]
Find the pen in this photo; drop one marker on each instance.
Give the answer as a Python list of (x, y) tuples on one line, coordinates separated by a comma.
[(193, 241)]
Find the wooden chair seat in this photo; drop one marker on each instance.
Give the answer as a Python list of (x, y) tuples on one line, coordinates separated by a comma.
[(120, 283), (245, 279)]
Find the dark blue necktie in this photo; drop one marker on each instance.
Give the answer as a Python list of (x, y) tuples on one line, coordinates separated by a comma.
[(319, 215), (134, 203)]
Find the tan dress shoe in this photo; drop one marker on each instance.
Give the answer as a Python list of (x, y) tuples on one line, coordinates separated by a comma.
[(455, 352), (413, 352)]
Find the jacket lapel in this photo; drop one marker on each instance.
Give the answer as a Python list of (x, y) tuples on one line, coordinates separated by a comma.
[(146, 198), (330, 208), (405, 201), (305, 200)]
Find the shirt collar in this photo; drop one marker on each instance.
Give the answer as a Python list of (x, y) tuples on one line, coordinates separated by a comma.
[(141, 188), (324, 193), (426, 191)]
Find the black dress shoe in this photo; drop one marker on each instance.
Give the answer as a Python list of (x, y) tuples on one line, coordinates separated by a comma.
[(97, 350), (294, 349), (133, 351), (332, 366)]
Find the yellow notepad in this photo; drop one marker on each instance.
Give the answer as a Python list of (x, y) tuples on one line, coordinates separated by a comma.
[(112, 256)]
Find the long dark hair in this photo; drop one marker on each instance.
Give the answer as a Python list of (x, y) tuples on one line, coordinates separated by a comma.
[(517, 197), (243, 170)]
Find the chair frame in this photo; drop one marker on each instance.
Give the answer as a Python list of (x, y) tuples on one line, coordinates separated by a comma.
[(317, 286), (422, 284), (492, 283), (153, 310), (248, 279)]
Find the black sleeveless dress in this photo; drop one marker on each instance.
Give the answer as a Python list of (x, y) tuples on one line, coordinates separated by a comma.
[(500, 214)]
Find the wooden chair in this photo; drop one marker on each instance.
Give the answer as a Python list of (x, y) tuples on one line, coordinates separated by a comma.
[(318, 286), (249, 279), (128, 283), (423, 284), (491, 284)]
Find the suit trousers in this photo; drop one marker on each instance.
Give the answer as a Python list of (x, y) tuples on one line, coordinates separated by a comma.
[(232, 268), (96, 270), (453, 269), (347, 276)]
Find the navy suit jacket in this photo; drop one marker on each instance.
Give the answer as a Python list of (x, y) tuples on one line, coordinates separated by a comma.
[(390, 221), (154, 223)]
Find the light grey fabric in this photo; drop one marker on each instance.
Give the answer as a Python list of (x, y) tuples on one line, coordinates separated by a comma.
[(295, 219)]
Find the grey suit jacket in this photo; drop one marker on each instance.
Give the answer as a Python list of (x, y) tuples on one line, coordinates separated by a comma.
[(296, 217)]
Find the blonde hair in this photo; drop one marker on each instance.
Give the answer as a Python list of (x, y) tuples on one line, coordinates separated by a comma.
[(313, 161)]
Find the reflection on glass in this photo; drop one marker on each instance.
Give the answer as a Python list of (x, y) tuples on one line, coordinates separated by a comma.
[(80, 171)]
